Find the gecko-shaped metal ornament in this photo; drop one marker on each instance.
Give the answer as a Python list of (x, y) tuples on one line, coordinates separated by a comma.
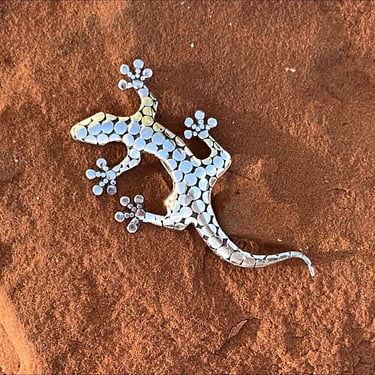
[(193, 178)]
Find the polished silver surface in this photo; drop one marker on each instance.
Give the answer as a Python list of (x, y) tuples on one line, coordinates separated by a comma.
[(189, 203)]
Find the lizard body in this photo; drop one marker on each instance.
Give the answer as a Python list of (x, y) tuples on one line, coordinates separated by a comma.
[(189, 202)]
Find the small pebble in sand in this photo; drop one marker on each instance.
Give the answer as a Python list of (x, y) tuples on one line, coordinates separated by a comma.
[(292, 70)]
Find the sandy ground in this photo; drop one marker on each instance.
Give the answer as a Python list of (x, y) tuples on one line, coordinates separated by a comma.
[(292, 86)]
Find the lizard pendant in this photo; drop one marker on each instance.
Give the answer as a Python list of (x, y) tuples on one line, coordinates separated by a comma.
[(189, 203)]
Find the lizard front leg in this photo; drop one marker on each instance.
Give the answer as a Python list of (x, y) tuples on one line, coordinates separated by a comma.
[(219, 159), (108, 175), (136, 81)]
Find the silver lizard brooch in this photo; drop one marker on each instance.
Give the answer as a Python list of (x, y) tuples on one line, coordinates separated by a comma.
[(193, 178)]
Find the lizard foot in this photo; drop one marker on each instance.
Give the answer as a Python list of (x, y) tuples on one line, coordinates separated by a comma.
[(134, 212), (136, 78), (199, 128), (107, 177)]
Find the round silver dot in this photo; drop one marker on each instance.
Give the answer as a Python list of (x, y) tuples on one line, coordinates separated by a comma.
[(203, 184), (190, 179), (120, 128), (107, 127), (194, 192), (199, 115), (211, 170), (124, 69), (204, 218), (200, 172), (111, 189), (188, 121), (114, 138), (169, 145), (186, 166), (162, 154), (198, 206), (128, 139), (178, 155), (178, 176), (188, 134), (101, 162), (158, 138), (146, 132), (184, 200), (132, 228), (134, 154), (138, 63), (212, 122), (111, 175), (218, 162), (203, 134), (91, 174), (186, 212), (206, 197), (81, 132), (97, 190), (139, 143), (134, 128), (139, 199), (91, 140), (147, 73), (172, 164), (102, 139), (119, 216), (124, 201)]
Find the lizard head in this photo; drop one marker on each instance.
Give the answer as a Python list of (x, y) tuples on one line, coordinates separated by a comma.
[(97, 129)]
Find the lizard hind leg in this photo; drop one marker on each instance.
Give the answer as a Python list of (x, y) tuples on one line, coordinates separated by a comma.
[(134, 211), (137, 215)]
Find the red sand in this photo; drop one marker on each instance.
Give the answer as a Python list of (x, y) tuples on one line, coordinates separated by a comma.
[(292, 86)]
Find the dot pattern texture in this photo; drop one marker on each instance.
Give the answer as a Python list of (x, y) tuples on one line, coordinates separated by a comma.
[(189, 203)]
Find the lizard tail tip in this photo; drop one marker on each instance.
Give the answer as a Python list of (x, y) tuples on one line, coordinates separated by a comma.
[(311, 269)]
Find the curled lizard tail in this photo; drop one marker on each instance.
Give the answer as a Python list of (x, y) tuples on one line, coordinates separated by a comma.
[(211, 232)]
